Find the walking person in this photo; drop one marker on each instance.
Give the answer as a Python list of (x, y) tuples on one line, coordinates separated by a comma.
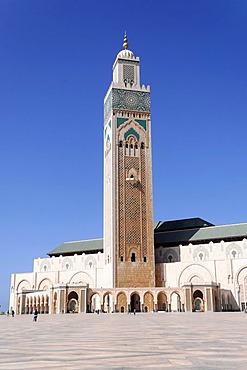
[(35, 315)]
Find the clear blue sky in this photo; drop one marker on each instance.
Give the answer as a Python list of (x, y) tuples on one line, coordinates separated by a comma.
[(55, 67)]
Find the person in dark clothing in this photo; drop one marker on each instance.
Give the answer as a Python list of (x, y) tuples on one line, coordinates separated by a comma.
[(35, 315)]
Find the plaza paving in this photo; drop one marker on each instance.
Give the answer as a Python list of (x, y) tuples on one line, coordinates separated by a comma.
[(121, 341)]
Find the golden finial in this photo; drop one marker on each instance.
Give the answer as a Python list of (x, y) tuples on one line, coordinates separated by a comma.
[(125, 44)]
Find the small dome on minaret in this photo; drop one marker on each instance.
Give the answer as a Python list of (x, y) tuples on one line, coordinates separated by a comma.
[(125, 53)]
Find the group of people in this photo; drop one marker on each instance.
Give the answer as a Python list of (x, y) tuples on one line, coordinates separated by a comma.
[(12, 313), (35, 314)]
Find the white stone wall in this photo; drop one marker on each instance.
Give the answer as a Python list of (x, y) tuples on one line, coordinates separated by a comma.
[(224, 263), (47, 272)]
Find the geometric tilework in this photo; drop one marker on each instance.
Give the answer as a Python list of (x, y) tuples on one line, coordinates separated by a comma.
[(120, 121), (131, 100), (142, 122), (131, 131), (127, 100)]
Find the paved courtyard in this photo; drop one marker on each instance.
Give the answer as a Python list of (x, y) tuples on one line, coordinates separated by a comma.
[(121, 341)]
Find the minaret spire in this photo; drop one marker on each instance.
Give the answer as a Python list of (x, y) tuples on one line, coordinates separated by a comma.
[(125, 44)]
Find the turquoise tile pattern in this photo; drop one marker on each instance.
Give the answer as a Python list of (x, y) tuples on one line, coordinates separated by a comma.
[(137, 101), (132, 132)]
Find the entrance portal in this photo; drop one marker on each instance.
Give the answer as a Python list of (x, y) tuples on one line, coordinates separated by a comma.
[(135, 303), (198, 304), (72, 305), (73, 302), (198, 301)]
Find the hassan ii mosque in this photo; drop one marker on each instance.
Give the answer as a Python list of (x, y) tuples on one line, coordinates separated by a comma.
[(181, 265)]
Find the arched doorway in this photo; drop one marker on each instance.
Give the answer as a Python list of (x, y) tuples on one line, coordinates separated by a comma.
[(135, 303), (72, 302), (175, 302), (198, 305), (148, 302), (108, 303), (162, 301), (242, 282), (121, 302), (95, 303)]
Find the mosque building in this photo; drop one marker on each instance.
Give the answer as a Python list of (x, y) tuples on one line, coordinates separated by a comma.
[(183, 265)]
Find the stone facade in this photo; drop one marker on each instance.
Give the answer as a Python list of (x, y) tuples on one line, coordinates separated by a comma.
[(193, 267), (128, 208), (216, 281)]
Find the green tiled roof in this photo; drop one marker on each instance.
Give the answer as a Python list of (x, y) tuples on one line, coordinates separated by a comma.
[(82, 246), (165, 233), (211, 233)]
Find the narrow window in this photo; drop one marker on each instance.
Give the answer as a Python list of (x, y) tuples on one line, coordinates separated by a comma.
[(121, 258), (142, 145), (201, 256), (145, 259), (170, 258), (136, 146), (126, 145), (131, 146), (120, 144)]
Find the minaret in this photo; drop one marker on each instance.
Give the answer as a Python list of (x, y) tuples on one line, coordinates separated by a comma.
[(128, 205)]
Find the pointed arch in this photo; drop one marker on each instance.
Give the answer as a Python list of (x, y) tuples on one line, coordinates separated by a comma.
[(122, 305), (45, 284), (148, 302), (194, 269), (162, 301), (81, 277), (23, 285)]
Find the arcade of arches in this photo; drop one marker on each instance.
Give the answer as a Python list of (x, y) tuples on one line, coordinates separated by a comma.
[(78, 299)]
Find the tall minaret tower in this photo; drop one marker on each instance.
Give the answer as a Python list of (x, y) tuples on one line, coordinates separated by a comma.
[(128, 204)]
